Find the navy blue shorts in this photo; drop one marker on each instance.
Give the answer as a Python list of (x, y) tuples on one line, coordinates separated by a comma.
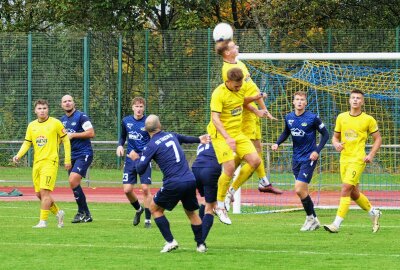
[(303, 170), (170, 194), (130, 174), (81, 165), (207, 182)]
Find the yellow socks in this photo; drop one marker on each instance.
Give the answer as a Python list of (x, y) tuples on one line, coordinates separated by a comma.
[(244, 174), (223, 185)]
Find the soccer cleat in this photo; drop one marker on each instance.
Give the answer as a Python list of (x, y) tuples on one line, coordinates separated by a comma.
[(60, 218), (136, 219), (229, 198), (79, 217), (222, 215), (311, 224), (375, 220), (331, 228), (269, 189), (202, 248), (169, 246), (147, 224), (87, 218), (40, 225)]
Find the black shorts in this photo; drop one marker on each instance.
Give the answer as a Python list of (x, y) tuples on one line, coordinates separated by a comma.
[(207, 182), (171, 193)]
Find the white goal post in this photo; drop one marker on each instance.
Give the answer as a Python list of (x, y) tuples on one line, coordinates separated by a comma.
[(320, 56), (347, 56)]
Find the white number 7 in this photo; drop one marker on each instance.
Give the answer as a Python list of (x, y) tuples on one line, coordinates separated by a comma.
[(172, 143)]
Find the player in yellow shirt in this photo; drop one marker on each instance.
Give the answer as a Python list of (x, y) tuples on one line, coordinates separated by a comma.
[(45, 134), (225, 129), (251, 124), (351, 132)]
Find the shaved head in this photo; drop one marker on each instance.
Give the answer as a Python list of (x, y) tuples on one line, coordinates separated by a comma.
[(68, 104), (152, 124)]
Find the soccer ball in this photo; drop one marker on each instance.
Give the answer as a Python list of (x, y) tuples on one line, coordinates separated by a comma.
[(222, 31)]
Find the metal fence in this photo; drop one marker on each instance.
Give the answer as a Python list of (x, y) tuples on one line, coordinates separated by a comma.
[(175, 71)]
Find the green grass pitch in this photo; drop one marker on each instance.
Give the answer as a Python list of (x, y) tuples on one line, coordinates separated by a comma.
[(267, 241)]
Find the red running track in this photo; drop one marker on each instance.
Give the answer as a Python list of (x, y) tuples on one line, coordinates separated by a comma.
[(251, 197)]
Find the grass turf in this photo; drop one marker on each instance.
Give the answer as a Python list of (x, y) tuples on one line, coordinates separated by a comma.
[(268, 241)]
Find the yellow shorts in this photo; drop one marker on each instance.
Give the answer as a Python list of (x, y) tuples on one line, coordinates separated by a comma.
[(44, 174), (224, 153), (351, 172), (252, 128)]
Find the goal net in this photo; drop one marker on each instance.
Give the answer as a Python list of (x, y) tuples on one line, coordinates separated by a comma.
[(328, 80)]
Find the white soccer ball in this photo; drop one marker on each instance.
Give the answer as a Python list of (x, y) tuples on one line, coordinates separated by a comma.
[(222, 31)]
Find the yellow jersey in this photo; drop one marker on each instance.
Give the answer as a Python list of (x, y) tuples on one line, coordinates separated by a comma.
[(46, 137), (354, 131), (250, 88), (230, 106)]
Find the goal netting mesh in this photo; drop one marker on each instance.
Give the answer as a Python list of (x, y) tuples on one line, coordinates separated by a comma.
[(327, 84)]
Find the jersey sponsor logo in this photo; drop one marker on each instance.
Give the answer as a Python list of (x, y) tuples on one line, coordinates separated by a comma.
[(135, 136), (41, 141), (297, 132), (290, 122), (237, 111), (350, 135)]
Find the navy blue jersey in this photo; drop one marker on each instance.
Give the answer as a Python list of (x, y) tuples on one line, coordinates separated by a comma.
[(134, 130), (206, 157), (165, 149), (78, 122), (303, 130)]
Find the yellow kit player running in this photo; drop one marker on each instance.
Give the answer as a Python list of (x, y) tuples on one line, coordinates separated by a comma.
[(45, 135), (351, 132), (251, 124), (225, 129)]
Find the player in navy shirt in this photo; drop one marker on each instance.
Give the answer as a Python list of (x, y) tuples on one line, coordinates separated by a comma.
[(80, 130), (207, 170), (179, 183), (133, 132), (302, 125)]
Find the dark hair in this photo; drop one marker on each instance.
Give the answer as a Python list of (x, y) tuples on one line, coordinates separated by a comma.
[(41, 102), (222, 46), (356, 91), (138, 100), (235, 74)]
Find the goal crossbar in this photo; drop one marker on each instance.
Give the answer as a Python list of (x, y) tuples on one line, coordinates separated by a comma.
[(320, 56)]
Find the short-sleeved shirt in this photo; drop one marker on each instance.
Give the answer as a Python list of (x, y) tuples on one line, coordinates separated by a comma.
[(250, 88), (230, 106), (76, 123), (354, 131), (46, 137)]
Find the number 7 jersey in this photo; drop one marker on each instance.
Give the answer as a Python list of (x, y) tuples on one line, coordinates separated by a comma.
[(165, 149)]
